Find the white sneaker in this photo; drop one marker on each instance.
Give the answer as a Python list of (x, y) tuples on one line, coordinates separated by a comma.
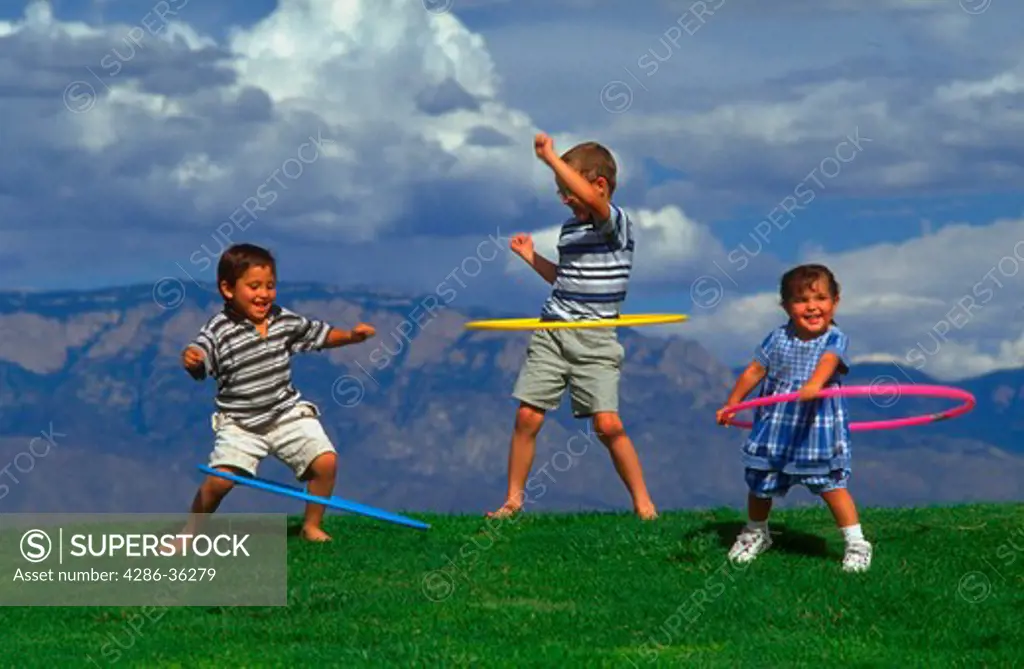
[(749, 544), (858, 556)]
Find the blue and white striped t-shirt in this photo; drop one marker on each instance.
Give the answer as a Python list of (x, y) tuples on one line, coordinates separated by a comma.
[(253, 372), (594, 264)]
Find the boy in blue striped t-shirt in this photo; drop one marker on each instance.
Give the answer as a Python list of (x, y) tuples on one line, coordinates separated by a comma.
[(595, 257)]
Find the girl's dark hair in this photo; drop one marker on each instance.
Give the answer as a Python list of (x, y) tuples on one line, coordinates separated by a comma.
[(237, 260), (802, 277)]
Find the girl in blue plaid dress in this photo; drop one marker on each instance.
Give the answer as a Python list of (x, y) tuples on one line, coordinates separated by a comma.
[(805, 442)]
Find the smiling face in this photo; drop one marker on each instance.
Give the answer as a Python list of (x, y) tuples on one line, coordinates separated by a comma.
[(254, 293), (812, 307)]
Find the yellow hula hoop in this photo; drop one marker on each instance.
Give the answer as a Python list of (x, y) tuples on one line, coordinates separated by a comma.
[(623, 321)]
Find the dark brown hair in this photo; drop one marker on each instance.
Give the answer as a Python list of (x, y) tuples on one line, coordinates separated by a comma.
[(802, 277), (237, 260), (593, 160)]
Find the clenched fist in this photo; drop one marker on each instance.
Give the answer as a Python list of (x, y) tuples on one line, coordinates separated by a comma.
[(193, 358), (720, 416), (362, 332), (544, 146), (522, 245)]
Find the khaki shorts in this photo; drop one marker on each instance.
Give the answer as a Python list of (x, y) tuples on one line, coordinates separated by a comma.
[(587, 361), (296, 439)]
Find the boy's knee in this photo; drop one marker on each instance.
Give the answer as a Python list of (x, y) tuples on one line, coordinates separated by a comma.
[(529, 420), (323, 466), (608, 426)]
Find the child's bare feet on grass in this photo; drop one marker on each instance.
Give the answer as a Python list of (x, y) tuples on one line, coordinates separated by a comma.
[(176, 549), (315, 534), (647, 512), (507, 510)]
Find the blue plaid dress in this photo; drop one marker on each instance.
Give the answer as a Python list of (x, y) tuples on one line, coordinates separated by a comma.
[(802, 438)]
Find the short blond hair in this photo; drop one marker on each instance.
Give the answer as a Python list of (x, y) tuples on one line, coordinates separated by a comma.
[(593, 160)]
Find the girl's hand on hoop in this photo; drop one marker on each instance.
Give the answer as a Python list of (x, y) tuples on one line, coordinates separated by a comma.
[(809, 392), (721, 417)]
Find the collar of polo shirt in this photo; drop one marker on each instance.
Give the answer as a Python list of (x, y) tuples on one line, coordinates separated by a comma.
[(239, 318)]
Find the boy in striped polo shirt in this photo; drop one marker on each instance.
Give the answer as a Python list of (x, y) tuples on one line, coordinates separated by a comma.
[(247, 348), (595, 257)]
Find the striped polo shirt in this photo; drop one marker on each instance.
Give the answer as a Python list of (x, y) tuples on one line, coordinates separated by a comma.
[(253, 373), (594, 263)]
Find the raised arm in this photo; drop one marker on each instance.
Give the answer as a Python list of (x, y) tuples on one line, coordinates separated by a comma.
[(584, 191)]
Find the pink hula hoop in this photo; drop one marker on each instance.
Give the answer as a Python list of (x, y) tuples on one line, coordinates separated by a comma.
[(890, 392)]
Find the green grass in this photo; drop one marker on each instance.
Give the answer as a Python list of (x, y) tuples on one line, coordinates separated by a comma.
[(946, 590)]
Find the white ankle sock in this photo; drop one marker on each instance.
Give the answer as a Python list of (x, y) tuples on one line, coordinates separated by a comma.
[(853, 534), (759, 525)]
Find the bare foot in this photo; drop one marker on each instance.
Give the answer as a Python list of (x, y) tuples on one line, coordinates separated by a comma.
[(507, 510), (176, 548), (315, 534), (647, 512)]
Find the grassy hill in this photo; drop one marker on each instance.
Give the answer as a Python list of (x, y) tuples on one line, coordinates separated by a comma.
[(591, 590)]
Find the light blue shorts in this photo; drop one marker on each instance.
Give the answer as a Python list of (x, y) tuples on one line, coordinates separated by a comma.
[(766, 484)]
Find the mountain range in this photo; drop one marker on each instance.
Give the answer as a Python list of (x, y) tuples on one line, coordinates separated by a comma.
[(97, 414)]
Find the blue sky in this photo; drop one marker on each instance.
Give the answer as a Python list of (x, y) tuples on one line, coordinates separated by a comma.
[(132, 131)]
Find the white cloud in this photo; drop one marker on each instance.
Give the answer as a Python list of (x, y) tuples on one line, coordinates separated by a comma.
[(390, 115), (414, 102), (739, 118), (407, 97), (431, 132)]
